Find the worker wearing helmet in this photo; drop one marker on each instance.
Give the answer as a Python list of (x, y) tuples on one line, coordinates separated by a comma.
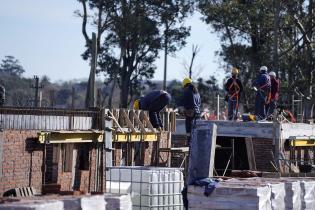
[(190, 102), (274, 93), (234, 88), (154, 102), (262, 85)]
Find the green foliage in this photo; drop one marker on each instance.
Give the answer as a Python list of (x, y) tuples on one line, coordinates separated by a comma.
[(134, 36), (175, 88), (11, 65), (247, 32), (208, 90)]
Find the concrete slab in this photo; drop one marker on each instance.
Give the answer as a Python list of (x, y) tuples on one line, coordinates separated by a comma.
[(202, 151)]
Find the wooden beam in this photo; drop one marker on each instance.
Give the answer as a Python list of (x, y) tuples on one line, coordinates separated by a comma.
[(115, 121), (126, 118), (250, 153), (70, 137), (136, 118), (146, 119)]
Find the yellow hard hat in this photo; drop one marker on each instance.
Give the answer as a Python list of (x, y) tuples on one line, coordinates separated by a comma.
[(136, 104), (186, 81), (234, 70)]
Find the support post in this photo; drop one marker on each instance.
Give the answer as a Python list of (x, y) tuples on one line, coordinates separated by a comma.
[(218, 107)]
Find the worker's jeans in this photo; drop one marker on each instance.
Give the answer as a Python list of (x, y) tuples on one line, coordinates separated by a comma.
[(260, 105), (189, 124), (155, 119), (271, 107), (232, 109)]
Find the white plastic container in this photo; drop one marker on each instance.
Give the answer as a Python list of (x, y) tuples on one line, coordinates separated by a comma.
[(150, 187)]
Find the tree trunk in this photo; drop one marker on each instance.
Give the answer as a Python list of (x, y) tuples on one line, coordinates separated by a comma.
[(276, 37), (165, 56), (111, 94), (124, 90)]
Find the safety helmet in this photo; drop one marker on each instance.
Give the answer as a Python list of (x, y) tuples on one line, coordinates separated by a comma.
[(263, 68), (272, 73), (136, 105), (234, 71), (186, 81)]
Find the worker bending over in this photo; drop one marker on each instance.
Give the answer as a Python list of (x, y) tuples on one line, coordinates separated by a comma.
[(234, 88), (274, 93), (262, 87), (154, 102), (190, 105)]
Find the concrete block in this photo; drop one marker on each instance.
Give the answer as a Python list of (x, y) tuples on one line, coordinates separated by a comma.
[(33, 205), (202, 150), (230, 197), (118, 202), (96, 202)]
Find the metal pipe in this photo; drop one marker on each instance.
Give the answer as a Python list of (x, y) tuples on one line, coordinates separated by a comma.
[(218, 107)]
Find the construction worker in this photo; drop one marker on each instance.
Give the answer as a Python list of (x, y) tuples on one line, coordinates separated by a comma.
[(262, 87), (154, 102), (274, 93), (2, 96), (234, 88), (190, 105)]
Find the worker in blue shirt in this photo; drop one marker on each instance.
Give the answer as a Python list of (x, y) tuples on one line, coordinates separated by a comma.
[(262, 86), (190, 105), (154, 102)]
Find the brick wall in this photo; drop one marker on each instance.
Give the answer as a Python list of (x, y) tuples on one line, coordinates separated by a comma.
[(84, 180), (263, 155), (21, 160)]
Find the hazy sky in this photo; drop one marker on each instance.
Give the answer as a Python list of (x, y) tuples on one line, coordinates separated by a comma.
[(46, 37)]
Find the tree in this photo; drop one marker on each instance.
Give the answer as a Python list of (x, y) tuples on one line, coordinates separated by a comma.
[(208, 90), (133, 36), (101, 20), (255, 33), (134, 41), (11, 65), (191, 70), (173, 14), (175, 88)]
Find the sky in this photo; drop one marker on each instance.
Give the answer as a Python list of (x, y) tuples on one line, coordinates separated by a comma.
[(45, 36)]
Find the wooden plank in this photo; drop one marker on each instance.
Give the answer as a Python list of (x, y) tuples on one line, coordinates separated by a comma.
[(202, 151), (126, 119), (115, 121), (108, 138), (138, 121), (146, 119), (250, 153), (1, 150), (67, 157)]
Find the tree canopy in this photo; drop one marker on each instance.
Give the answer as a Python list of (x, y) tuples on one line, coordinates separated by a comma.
[(261, 32), (133, 37)]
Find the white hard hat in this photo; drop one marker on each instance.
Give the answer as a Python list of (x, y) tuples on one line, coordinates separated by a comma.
[(272, 73), (263, 68)]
